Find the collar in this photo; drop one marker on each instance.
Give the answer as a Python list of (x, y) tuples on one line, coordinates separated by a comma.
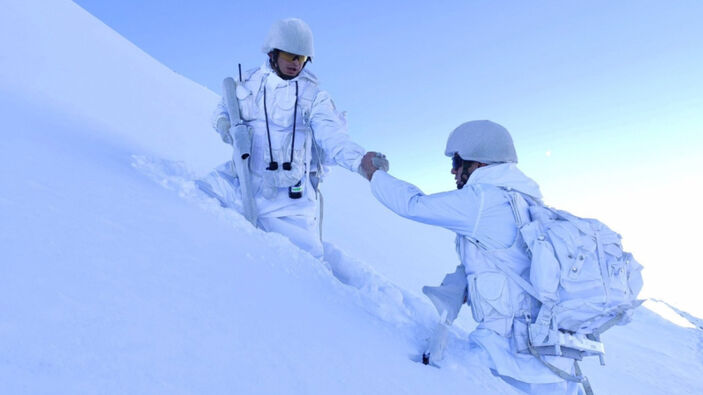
[(505, 175)]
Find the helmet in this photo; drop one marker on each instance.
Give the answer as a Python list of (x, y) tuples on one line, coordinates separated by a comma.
[(290, 35), (481, 141)]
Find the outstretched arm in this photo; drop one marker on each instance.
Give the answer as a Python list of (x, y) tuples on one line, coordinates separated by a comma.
[(454, 210), (331, 135)]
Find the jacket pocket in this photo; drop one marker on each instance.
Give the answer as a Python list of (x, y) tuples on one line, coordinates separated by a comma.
[(490, 296), (248, 108), (283, 107)]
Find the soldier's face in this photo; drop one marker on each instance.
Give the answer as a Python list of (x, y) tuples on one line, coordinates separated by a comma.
[(458, 177), (290, 64), (461, 177)]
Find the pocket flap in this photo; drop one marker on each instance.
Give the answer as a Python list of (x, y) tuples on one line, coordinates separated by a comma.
[(242, 92), (491, 285)]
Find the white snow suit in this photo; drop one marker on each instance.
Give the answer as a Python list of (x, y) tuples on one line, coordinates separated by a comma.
[(482, 217), (321, 139)]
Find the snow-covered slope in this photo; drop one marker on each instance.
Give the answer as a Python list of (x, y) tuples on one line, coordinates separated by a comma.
[(57, 55), (117, 276)]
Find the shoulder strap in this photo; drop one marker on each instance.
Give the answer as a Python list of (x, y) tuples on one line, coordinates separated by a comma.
[(524, 284), (518, 204)]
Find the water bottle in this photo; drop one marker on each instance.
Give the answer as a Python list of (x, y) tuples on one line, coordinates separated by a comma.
[(296, 191)]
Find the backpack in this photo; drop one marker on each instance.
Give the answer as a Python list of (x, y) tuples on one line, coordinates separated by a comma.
[(580, 279), (578, 283)]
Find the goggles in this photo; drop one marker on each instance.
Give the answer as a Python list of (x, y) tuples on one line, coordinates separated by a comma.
[(291, 57)]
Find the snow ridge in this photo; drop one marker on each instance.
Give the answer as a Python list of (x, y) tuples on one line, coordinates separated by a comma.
[(695, 321)]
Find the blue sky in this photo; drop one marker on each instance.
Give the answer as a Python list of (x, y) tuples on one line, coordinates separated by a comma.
[(555, 73), (603, 98)]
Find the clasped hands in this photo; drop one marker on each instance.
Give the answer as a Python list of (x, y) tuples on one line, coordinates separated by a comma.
[(371, 162)]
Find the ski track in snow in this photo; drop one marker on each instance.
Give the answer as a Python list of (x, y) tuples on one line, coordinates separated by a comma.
[(371, 291)]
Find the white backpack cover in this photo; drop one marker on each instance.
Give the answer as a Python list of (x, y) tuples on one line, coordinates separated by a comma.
[(582, 280), (579, 273)]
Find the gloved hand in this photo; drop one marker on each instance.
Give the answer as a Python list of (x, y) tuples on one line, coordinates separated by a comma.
[(223, 126), (371, 162), (380, 162)]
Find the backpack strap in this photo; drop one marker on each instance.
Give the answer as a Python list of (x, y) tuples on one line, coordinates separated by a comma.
[(620, 315), (577, 377), (524, 284), (603, 264), (518, 203)]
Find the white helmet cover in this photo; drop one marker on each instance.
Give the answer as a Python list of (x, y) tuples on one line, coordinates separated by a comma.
[(290, 35), (482, 141)]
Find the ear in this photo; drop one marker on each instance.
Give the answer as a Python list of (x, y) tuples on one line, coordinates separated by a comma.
[(273, 60)]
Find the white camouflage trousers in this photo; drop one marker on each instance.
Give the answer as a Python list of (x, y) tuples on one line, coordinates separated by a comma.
[(301, 230)]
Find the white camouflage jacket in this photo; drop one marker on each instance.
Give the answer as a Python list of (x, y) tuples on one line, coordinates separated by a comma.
[(482, 217), (321, 137)]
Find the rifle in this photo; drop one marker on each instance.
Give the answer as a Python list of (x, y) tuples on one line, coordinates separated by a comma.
[(242, 149)]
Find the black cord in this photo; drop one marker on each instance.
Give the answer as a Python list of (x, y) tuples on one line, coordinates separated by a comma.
[(273, 165), (295, 121), (288, 165)]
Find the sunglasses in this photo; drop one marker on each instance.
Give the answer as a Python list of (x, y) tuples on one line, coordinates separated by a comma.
[(457, 162), (291, 57)]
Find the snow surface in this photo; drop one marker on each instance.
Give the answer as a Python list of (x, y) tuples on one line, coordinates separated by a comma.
[(118, 276)]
